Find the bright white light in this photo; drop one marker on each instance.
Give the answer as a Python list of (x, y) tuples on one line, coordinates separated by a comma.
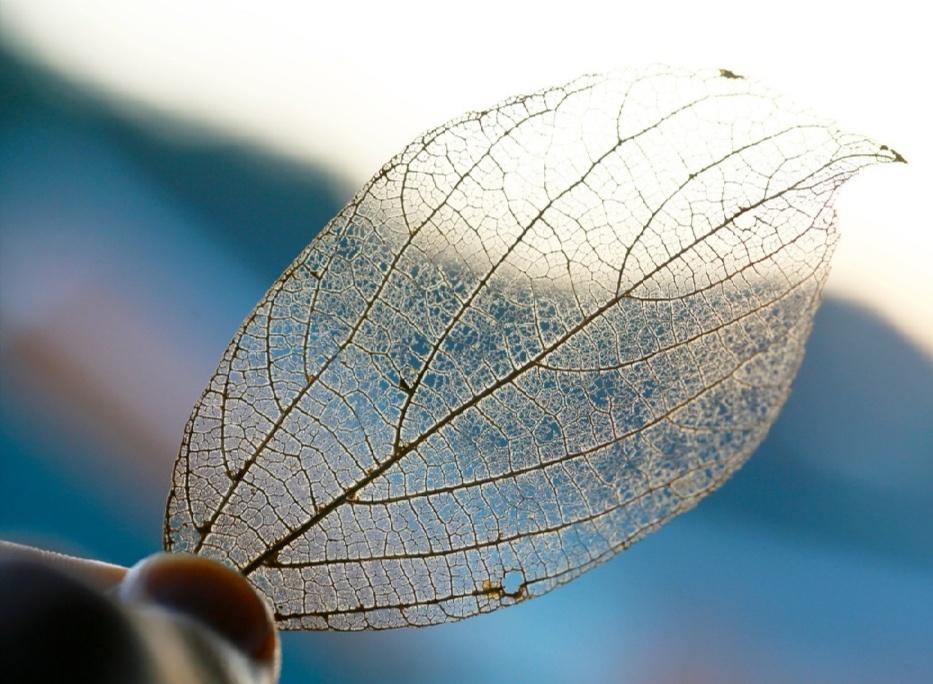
[(347, 86)]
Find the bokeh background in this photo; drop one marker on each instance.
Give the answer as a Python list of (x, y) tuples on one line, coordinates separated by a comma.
[(158, 171)]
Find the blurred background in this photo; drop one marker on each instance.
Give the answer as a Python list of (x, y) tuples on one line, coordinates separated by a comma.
[(159, 167)]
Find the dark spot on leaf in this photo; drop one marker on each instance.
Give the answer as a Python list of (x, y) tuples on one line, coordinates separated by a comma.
[(493, 591), (897, 155)]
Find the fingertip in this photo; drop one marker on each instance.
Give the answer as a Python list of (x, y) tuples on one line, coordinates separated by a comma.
[(209, 593)]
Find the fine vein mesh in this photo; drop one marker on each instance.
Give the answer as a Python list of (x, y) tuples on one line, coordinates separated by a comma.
[(537, 334)]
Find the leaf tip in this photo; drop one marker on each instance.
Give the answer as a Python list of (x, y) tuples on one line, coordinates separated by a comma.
[(898, 157)]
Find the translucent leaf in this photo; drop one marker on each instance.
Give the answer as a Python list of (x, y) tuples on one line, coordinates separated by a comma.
[(536, 335)]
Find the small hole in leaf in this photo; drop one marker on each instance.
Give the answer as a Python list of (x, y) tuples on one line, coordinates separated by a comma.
[(512, 582)]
